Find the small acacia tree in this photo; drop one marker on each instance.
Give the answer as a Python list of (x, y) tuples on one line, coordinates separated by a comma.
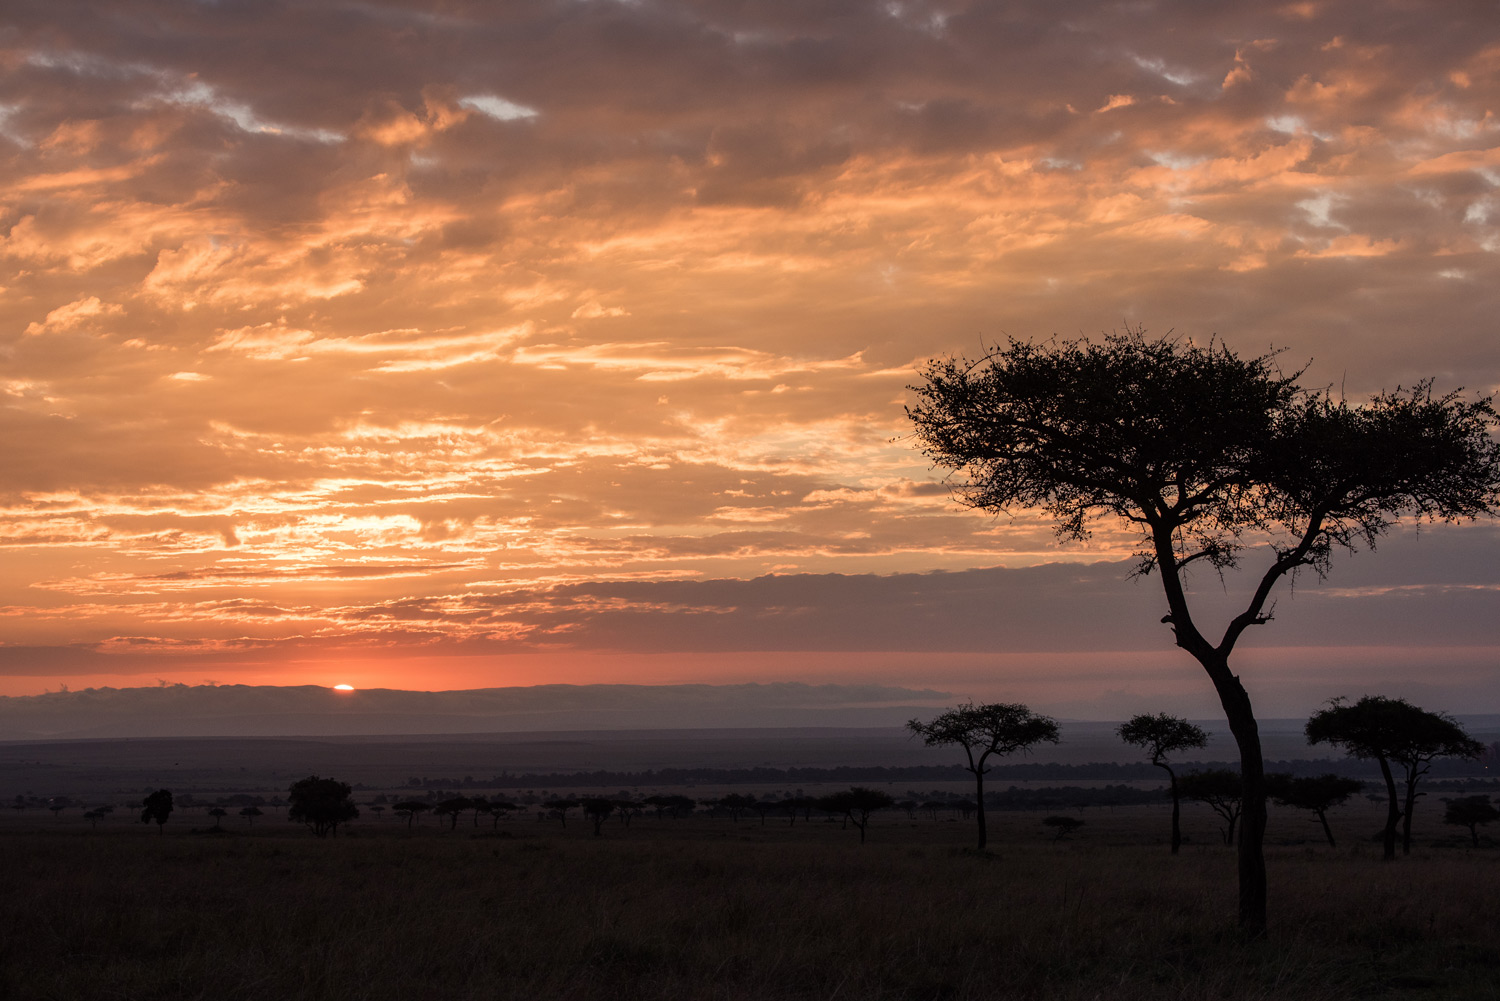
[(560, 807), (1161, 735), (1316, 793), (451, 808), (411, 809), (984, 731), (1204, 453), (156, 808), (1223, 791), (1393, 730), (856, 805), (1470, 812), (321, 804)]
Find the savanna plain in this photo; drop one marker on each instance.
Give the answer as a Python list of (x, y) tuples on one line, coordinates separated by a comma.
[(708, 907)]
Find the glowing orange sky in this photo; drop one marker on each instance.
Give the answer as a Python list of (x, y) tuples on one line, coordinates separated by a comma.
[(439, 344)]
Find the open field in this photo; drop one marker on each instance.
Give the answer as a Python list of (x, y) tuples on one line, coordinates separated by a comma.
[(706, 908)]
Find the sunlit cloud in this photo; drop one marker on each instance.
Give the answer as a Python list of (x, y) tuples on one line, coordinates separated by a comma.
[(537, 298)]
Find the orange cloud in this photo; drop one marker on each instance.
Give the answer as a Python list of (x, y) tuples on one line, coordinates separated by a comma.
[(534, 298)]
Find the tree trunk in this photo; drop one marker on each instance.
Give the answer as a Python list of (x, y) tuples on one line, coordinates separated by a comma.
[(1327, 831), (1392, 811), (979, 793), (1251, 854), (1412, 776), (1176, 810)]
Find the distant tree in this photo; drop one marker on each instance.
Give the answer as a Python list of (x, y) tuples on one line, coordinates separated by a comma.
[(410, 809), (763, 807), (451, 808), (560, 807), (793, 805), (627, 810), (479, 805), (597, 810), (1390, 730), (932, 806), (1222, 790), (856, 805), (95, 815), (250, 813), (156, 808), (909, 807), (1470, 812), (734, 804), (1062, 825), (1204, 454), (501, 808), (1318, 794), (218, 813), (995, 729), (57, 804), (321, 804), (377, 809), (1161, 735)]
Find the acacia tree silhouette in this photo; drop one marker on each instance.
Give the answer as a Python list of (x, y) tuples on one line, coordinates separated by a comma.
[(156, 808), (1392, 730), (1202, 452), (561, 808), (997, 728), (321, 804), (597, 809), (1318, 794), (1160, 735), (451, 808), (856, 805), (1470, 812), (410, 809), (1223, 791)]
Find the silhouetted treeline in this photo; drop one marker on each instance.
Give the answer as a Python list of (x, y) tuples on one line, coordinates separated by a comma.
[(1048, 797), (1108, 771)]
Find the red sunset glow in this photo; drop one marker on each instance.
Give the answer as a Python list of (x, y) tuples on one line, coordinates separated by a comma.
[(433, 346)]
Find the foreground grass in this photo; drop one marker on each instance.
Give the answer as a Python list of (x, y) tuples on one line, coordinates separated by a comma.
[(731, 916)]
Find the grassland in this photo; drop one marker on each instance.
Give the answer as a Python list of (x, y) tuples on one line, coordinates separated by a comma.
[(708, 909)]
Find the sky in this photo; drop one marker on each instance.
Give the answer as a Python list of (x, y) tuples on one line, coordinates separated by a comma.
[(444, 345)]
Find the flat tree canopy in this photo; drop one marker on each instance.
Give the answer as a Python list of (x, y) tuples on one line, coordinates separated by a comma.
[(1388, 730), (1161, 734), (995, 728), (1205, 454)]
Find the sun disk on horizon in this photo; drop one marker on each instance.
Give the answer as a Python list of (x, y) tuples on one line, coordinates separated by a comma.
[(343, 688)]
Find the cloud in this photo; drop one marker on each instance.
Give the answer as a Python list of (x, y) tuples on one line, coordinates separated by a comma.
[(73, 315), (592, 293)]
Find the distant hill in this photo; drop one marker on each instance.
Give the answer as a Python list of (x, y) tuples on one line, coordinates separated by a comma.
[(310, 710)]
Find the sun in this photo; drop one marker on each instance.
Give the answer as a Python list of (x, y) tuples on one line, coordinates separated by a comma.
[(343, 688)]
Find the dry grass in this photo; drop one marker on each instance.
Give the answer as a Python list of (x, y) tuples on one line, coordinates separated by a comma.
[(706, 909)]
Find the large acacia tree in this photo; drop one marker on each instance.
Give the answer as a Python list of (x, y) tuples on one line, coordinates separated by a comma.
[(1206, 455), (1388, 730)]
